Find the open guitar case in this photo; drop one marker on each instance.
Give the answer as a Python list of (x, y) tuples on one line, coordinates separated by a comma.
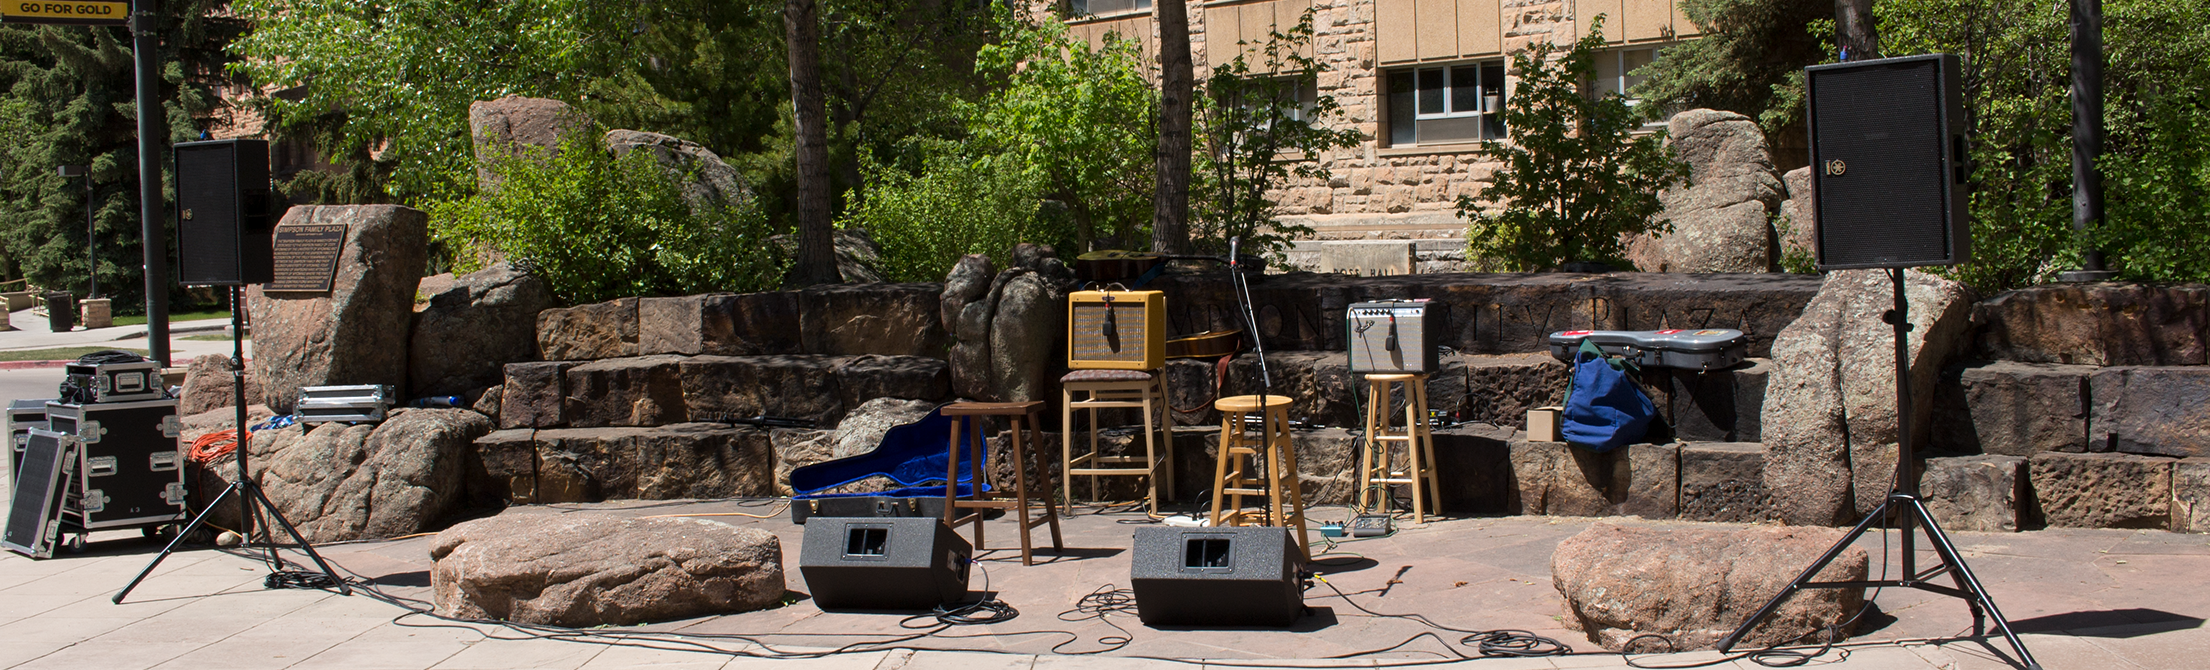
[(913, 455)]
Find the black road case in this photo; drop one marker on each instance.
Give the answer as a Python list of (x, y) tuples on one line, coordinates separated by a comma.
[(34, 513), (130, 472), (23, 415)]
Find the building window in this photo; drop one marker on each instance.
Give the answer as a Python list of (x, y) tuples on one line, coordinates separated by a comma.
[(1105, 7), (1616, 75), (1453, 103)]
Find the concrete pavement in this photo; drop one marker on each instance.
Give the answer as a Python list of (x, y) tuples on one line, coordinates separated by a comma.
[(2104, 599)]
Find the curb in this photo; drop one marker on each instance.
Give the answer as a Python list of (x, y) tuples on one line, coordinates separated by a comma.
[(26, 365)]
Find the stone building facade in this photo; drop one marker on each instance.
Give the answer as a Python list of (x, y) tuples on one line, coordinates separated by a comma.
[(1442, 59)]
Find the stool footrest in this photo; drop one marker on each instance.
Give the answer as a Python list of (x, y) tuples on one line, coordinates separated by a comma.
[(1108, 471)]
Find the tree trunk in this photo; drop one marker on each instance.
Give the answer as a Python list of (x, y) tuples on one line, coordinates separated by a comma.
[(1853, 29), (1170, 198), (816, 244)]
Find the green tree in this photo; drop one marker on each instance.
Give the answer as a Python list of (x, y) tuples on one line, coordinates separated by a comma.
[(68, 97), (598, 227), (1251, 123), (1081, 116), (2016, 78), (1576, 176), (1749, 60)]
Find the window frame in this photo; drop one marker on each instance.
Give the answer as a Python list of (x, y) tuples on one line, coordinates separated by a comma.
[(1491, 125)]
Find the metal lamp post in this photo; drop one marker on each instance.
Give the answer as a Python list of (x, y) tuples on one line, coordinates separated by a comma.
[(91, 234)]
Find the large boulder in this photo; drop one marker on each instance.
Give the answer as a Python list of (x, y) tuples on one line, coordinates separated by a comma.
[(355, 332), (585, 569), (1828, 406), (1722, 216), (1693, 587), (1008, 330), (2096, 324), (509, 126), (209, 384), (348, 482), (1798, 228), (465, 334), (708, 183)]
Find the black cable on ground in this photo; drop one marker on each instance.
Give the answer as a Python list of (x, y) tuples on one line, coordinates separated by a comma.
[(1507, 643)]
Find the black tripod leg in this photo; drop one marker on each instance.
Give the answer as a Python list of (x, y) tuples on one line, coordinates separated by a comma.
[(278, 515), (197, 521), (1735, 637), (1971, 584)]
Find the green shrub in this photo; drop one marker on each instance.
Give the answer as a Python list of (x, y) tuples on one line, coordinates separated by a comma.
[(953, 206), (596, 227)]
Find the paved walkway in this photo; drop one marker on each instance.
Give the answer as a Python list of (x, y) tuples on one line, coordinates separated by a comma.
[(34, 332), (2103, 599)]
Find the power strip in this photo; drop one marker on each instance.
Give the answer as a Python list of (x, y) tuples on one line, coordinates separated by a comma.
[(1368, 525)]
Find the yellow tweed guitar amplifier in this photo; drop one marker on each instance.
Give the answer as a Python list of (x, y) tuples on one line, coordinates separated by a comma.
[(1116, 330)]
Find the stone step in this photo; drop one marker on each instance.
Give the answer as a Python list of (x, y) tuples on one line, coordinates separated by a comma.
[(667, 388), (829, 320), (685, 460)]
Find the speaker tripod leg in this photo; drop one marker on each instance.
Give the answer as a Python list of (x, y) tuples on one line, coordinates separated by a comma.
[(197, 521), (286, 524), (1970, 584), (1727, 644)]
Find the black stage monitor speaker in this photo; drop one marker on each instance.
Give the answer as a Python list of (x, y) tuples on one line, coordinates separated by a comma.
[(1235, 576), (1888, 163), (223, 213), (888, 563)]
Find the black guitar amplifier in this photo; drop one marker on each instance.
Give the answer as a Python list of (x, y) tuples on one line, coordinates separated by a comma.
[(114, 382), (23, 415), (1395, 336), (130, 471)]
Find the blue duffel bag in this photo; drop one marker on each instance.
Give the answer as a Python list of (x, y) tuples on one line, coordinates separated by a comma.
[(1604, 410)]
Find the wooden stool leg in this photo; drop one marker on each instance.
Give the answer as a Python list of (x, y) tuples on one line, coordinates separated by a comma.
[(1295, 513), (1020, 485), (1066, 445), (1427, 462), (975, 469), (1150, 453), (1051, 513), (1366, 474), (1166, 428), (1415, 405), (1220, 465), (951, 476)]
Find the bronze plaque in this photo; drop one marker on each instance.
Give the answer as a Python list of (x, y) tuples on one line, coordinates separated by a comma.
[(306, 257)]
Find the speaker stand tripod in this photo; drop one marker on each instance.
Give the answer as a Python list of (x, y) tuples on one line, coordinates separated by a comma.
[(248, 491), (1904, 507)]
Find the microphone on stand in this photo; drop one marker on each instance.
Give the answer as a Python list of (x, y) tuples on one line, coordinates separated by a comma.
[(1233, 243)]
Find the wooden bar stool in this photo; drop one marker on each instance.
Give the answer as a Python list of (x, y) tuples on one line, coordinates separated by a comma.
[(1108, 389), (1023, 419), (1262, 466), (1377, 468)]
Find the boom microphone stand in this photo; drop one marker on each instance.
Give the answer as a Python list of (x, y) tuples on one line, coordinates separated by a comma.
[(1904, 507), (248, 491)]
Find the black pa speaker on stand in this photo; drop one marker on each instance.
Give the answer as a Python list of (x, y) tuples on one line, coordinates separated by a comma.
[(1888, 163), (224, 221), (1888, 147), (1227, 576), (883, 563)]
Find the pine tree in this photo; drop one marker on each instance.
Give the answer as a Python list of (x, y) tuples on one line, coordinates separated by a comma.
[(68, 97)]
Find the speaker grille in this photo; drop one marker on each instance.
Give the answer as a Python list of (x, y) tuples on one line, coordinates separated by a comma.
[(1881, 139), (207, 213)]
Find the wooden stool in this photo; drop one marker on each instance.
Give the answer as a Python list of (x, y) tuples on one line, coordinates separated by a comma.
[(1376, 463), (1023, 419), (1272, 452), (1107, 389)]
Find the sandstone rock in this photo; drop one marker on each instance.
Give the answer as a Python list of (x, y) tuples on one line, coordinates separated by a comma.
[(796, 448), (708, 183), (208, 385), (1722, 217), (1473, 464), (1027, 350), (684, 460), (1799, 226), (861, 431), (2019, 409), (1975, 493), (864, 379), (855, 319), (465, 335), (2145, 410), (637, 391), (1723, 481), (1718, 406), (1494, 313), (584, 569), (514, 125), (1695, 586), (724, 324), (349, 482), (209, 480), (2102, 490), (968, 281), (501, 469), (796, 387), (2191, 495), (1818, 421), (1502, 388), (588, 332), (1557, 479), (2095, 324), (535, 395), (488, 403), (351, 334)]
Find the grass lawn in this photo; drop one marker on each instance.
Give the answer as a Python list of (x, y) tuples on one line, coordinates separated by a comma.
[(140, 319), (62, 354)]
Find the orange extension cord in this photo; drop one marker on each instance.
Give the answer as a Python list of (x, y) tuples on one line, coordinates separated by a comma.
[(212, 446)]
